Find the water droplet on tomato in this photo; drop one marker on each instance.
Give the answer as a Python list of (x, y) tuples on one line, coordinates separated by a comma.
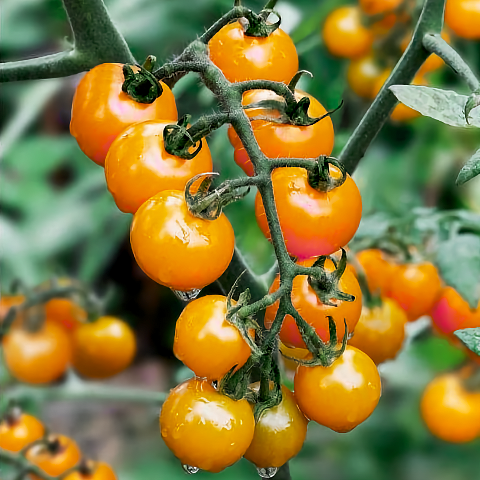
[(189, 469), (268, 472), (187, 296)]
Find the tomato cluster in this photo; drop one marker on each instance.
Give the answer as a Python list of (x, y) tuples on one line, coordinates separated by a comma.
[(40, 351), (53, 454)]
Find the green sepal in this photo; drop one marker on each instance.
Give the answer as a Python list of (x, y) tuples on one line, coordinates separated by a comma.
[(141, 86)]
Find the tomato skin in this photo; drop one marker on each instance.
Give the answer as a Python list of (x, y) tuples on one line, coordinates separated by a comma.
[(380, 332), (138, 166), (37, 357), (101, 111), (313, 223), (56, 463), (280, 139), (65, 312), (342, 395), (463, 18), (103, 348), (378, 270), (450, 412), (416, 287), (279, 433), (16, 435), (362, 73), (101, 471), (201, 329), (344, 35), (241, 57), (177, 249), (299, 353), (378, 7), (313, 311), (204, 428)]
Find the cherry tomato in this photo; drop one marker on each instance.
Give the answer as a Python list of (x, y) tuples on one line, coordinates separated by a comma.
[(204, 428), (9, 301), (101, 110), (313, 311), (344, 34), (177, 249), (299, 353), (37, 357), (279, 433), (362, 74), (103, 348), (379, 7), (342, 395), (16, 433), (280, 139), (451, 412), (313, 223), (56, 458), (380, 331), (416, 287), (201, 329), (99, 471), (138, 166), (463, 18), (241, 57), (65, 312), (378, 270)]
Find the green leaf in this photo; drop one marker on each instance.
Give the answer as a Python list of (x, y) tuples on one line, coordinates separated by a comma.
[(470, 170), (442, 105), (459, 261), (471, 338)]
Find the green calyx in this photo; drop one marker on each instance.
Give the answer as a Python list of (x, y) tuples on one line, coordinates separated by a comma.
[(178, 141), (258, 25), (208, 204), (269, 394), (320, 178), (140, 84)]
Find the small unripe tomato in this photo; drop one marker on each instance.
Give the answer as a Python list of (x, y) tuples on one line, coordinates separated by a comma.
[(451, 412), (241, 57), (298, 353), (204, 428), (177, 249), (55, 458), (342, 395), (93, 471), (138, 166), (9, 301), (362, 73), (103, 348), (378, 270), (463, 18), (41, 356), (344, 34), (101, 110), (206, 342), (416, 287), (380, 331), (281, 139), (313, 311), (16, 433), (313, 222), (279, 433)]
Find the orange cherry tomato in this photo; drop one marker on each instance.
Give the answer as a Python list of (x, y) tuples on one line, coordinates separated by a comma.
[(344, 34), (380, 331), (280, 139), (416, 287), (342, 395), (279, 433), (378, 270), (65, 312), (362, 73), (241, 57), (313, 311), (9, 301), (451, 412), (201, 329), (298, 353), (313, 223), (205, 429), (379, 7), (56, 458), (103, 348), (96, 471), (37, 357), (101, 110), (16, 433), (177, 249), (138, 166), (463, 18)]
